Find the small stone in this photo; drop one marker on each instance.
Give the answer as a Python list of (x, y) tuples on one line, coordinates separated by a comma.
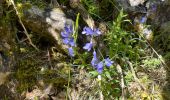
[(136, 2)]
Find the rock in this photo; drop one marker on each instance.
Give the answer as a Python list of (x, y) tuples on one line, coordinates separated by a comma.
[(36, 93), (41, 94), (161, 15), (48, 23), (165, 27), (136, 2)]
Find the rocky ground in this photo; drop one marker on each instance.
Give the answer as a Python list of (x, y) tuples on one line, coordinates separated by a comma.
[(34, 62)]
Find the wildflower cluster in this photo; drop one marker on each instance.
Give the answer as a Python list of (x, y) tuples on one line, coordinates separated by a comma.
[(67, 36), (68, 39), (95, 62)]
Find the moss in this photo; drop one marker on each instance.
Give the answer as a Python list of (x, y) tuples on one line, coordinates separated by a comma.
[(40, 3), (28, 71), (52, 76)]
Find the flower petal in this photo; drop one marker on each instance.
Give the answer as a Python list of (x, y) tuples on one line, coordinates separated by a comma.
[(153, 7), (68, 29), (87, 31), (100, 70), (100, 64), (143, 19), (71, 51), (94, 54), (92, 32), (66, 41), (108, 62), (94, 60), (88, 46), (97, 32), (71, 42), (64, 35), (100, 67)]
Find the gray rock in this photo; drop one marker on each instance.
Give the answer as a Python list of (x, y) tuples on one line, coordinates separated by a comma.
[(136, 2), (48, 23)]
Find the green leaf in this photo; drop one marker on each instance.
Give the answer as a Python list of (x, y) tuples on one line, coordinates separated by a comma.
[(108, 75), (93, 73), (75, 34)]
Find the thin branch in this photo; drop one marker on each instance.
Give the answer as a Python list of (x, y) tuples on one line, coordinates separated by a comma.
[(160, 57), (141, 28), (100, 93), (122, 84), (25, 31)]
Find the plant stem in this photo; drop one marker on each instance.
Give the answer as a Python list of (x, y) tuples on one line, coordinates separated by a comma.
[(68, 84)]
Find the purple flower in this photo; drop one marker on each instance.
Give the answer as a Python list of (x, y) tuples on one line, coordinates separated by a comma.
[(143, 19), (67, 35), (153, 7), (91, 32), (87, 31), (94, 60), (71, 51), (88, 46), (68, 29), (66, 41), (69, 41), (97, 31), (108, 62), (96, 64), (100, 67)]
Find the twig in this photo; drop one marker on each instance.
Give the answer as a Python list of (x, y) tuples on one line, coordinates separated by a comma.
[(49, 58), (25, 31), (122, 84), (101, 96), (159, 57), (68, 83), (100, 93)]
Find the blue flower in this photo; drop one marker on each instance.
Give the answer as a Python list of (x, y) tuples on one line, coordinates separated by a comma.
[(100, 67), (68, 38), (65, 34), (97, 31), (94, 60), (69, 41), (88, 46), (87, 31), (96, 64), (68, 29), (153, 7), (71, 51), (91, 32), (66, 41), (143, 19), (108, 62)]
